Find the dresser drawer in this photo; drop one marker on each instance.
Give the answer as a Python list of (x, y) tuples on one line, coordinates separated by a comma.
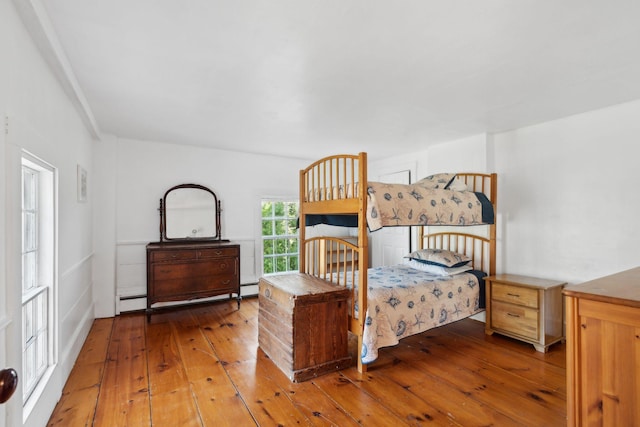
[(222, 266), (516, 319), (218, 252), (194, 286), (158, 256), (515, 294)]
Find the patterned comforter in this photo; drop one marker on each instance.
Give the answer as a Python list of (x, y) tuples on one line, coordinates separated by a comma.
[(403, 301), (408, 204), (413, 204)]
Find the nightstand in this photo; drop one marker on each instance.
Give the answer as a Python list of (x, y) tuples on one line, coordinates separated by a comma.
[(525, 308)]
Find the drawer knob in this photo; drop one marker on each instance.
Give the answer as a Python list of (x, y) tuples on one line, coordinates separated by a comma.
[(513, 315), (513, 295), (226, 282), (218, 252)]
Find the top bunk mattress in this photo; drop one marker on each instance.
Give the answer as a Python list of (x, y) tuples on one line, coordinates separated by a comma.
[(413, 204), (392, 205)]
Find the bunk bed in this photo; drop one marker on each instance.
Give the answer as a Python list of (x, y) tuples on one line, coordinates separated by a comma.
[(384, 307)]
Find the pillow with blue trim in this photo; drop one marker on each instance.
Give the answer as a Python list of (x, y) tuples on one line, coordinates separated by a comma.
[(438, 180), (439, 257)]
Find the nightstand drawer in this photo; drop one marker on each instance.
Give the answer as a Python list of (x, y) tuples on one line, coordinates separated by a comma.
[(516, 319), (515, 294)]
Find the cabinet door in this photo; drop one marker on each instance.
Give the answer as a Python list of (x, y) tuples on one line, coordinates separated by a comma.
[(609, 364)]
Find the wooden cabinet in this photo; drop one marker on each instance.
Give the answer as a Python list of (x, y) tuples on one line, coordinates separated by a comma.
[(303, 325), (525, 308), (603, 351), (187, 271)]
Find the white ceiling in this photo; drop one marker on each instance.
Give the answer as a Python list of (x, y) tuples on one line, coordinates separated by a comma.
[(310, 78)]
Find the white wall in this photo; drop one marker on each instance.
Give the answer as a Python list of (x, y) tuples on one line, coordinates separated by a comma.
[(42, 120), (567, 197), (467, 154), (134, 175)]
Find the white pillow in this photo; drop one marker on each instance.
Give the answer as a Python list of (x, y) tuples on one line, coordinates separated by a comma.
[(437, 269), (457, 185)]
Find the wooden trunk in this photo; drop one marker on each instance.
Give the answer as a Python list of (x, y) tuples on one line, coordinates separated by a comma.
[(303, 325)]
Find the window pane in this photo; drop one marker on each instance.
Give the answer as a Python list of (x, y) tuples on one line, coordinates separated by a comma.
[(279, 209), (27, 322), (267, 247), (41, 311), (267, 228), (293, 263), (30, 231), (281, 264), (281, 228), (268, 266), (292, 208), (28, 368), (29, 181), (281, 246), (267, 209), (29, 270)]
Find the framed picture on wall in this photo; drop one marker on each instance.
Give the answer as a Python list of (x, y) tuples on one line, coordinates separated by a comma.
[(82, 184)]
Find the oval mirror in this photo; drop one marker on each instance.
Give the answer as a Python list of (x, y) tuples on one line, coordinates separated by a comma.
[(189, 212)]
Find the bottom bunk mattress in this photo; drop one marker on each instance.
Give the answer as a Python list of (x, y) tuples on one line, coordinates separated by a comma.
[(403, 301)]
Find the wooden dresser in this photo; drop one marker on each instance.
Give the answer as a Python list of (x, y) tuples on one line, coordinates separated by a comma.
[(603, 351), (187, 271), (525, 308), (303, 325)]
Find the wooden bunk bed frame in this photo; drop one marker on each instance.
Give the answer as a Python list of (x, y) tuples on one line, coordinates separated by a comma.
[(337, 185)]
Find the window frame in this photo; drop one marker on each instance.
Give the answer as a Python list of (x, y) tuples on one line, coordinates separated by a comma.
[(39, 340), (291, 255)]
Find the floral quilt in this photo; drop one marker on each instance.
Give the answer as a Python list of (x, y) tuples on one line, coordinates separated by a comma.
[(415, 204), (403, 301)]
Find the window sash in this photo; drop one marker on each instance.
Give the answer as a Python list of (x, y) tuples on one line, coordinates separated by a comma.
[(279, 237), (36, 346)]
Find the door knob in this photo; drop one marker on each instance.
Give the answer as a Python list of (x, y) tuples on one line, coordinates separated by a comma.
[(8, 383)]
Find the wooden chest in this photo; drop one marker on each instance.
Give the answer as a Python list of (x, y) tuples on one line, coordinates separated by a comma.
[(303, 325)]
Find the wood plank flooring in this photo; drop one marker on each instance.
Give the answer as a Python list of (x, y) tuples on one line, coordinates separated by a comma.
[(201, 366)]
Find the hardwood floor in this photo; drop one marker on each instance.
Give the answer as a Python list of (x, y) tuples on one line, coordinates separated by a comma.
[(201, 366)]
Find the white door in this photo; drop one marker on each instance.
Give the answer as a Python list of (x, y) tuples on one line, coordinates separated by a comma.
[(389, 245)]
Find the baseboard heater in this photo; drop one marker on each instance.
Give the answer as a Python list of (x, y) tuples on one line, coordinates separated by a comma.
[(130, 297)]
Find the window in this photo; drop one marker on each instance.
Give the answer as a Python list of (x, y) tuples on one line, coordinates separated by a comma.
[(279, 236), (38, 226)]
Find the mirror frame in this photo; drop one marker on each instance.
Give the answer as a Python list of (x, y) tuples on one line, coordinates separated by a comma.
[(163, 216)]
